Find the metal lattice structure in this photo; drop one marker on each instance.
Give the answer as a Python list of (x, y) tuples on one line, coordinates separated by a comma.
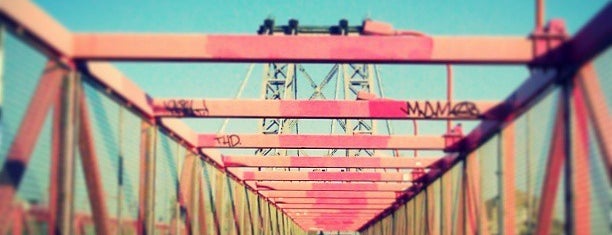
[(85, 150)]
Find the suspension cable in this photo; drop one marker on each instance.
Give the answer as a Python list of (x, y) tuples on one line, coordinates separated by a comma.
[(238, 95)]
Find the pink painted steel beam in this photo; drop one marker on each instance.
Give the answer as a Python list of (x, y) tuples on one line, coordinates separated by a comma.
[(396, 49), (318, 186), (320, 141), (328, 162), (350, 201), (323, 220), (313, 213), (332, 216), (328, 221), (327, 194), (31, 18), (343, 109), (327, 49), (298, 212), (331, 206), (323, 176)]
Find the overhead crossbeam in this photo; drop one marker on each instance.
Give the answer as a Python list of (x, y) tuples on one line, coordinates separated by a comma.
[(328, 162), (319, 109), (332, 206), (320, 49), (298, 212), (327, 194), (342, 201), (318, 186), (320, 141), (323, 176)]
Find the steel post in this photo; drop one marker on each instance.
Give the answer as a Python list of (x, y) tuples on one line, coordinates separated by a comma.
[(148, 140), (507, 176), (552, 177), (91, 168), (66, 167)]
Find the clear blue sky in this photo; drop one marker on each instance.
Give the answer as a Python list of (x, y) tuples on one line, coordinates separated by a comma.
[(479, 17)]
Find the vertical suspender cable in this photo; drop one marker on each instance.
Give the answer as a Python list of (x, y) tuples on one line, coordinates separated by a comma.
[(238, 94)]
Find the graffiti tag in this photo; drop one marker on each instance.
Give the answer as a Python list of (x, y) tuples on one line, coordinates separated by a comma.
[(182, 107), (228, 140), (437, 109)]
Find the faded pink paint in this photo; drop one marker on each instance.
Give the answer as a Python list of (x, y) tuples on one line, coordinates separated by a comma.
[(323, 176), (249, 48), (321, 186)]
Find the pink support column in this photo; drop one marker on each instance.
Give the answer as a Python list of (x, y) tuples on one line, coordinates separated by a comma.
[(93, 176), (598, 113), (459, 207), (146, 211), (446, 205), (54, 174), (552, 177), (507, 181), (471, 198), (581, 164), (539, 16), (186, 199), (449, 92), (203, 228)]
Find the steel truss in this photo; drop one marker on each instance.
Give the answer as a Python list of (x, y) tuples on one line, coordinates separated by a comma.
[(223, 194)]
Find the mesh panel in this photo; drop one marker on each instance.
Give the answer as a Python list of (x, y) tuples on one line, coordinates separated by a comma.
[(601, 192), (166, 178), (130, 148), (21, 75)]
